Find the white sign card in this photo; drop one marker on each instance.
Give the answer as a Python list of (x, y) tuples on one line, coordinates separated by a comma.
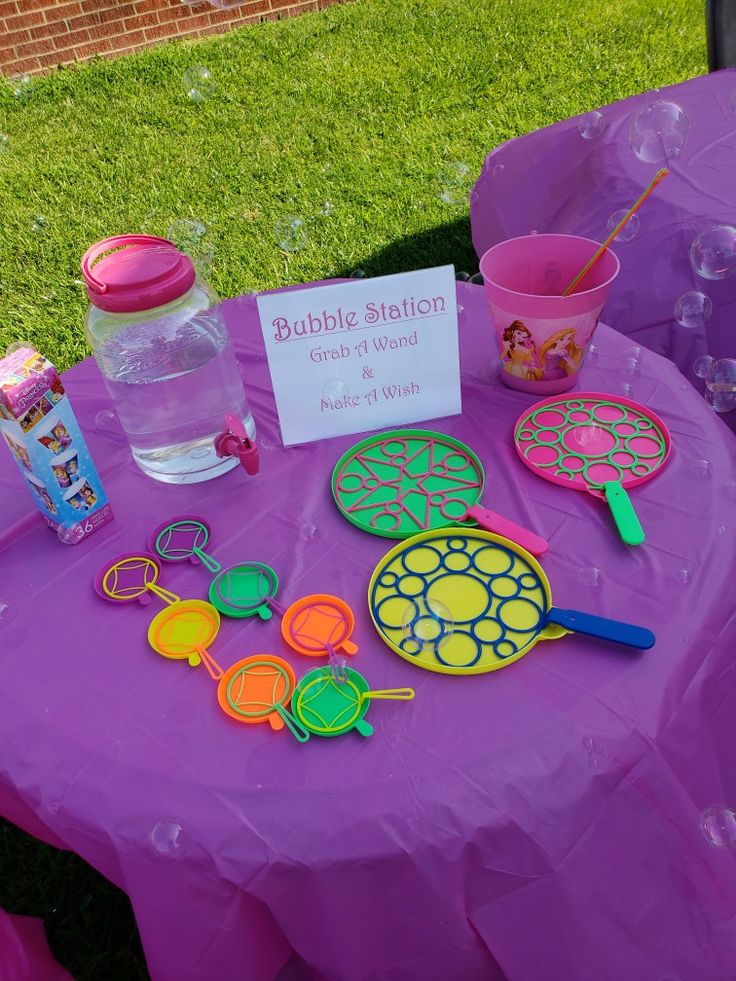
[(367, 354)]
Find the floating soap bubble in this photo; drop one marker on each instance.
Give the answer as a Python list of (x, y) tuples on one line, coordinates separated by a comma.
[(498, 170), (426, 623), (683, 576), (192, 236), (199, 84), (702, 468), (658, 132), (335, 390), (108, 422), (631, 366), (589, 575), (4, 142), (358, 274), (454, 181), (167, 837), (39, 224), (226, 4), (326, 208), (702, 366), (693, 309), (713, 253), (591, 125), (462, 277), (625, 389), (720, 402), (70, 534), (633, 352), (630, 229), (21, 86), (477, 279), (718, 824), (18, 346), (291, 233), (722, 376)]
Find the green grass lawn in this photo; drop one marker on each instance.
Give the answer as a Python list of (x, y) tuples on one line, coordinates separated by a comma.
[(359, 106)]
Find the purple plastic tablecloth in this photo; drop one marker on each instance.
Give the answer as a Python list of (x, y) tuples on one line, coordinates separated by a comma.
[(554, 180), (24, 952), (538, 822)]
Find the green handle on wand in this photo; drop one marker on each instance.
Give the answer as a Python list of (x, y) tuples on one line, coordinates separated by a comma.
[(628, 524)]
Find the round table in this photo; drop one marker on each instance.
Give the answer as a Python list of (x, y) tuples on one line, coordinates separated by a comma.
[(546, 814)]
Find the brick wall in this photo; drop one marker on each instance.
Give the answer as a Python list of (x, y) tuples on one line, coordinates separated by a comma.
[(38, 35)]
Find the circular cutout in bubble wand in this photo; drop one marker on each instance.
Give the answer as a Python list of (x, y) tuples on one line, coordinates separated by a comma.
[(132, 578), (597, 443), (467, 602), (402, 482), (183, 539)]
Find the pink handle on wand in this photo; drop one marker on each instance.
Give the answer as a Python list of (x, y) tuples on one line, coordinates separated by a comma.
[(507, 529)]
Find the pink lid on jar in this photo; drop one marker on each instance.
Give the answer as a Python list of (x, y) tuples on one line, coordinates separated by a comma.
[(138, 272)]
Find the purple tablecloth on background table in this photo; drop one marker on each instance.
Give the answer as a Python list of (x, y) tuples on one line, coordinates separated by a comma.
[(554, 180), (24, 952), (541, 821)]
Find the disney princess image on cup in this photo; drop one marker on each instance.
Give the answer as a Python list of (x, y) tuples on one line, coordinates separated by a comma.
[(88, 495), (560, 355), (61, 433), (519, 354)]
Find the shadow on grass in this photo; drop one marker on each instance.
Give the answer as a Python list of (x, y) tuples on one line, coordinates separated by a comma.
[(448, 244), (89, 922)]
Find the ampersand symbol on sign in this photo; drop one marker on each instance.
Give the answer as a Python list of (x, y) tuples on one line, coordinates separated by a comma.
[(367, 372)]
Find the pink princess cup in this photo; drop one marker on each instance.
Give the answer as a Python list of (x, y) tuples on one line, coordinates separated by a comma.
[(543, 336)]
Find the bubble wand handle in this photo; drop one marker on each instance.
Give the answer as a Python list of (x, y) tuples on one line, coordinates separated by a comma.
[(659, 176), (499, 525), (627, 521), (394, 694), (293, 725), (338, 663), (273, 604), (213, 668), (163, 594), (211, 564), (616, 631)]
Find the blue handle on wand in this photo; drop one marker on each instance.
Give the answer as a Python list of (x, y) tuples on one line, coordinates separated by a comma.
[(613, 630)]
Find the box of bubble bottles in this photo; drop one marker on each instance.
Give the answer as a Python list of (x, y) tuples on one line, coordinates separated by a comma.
[(40, 429)]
